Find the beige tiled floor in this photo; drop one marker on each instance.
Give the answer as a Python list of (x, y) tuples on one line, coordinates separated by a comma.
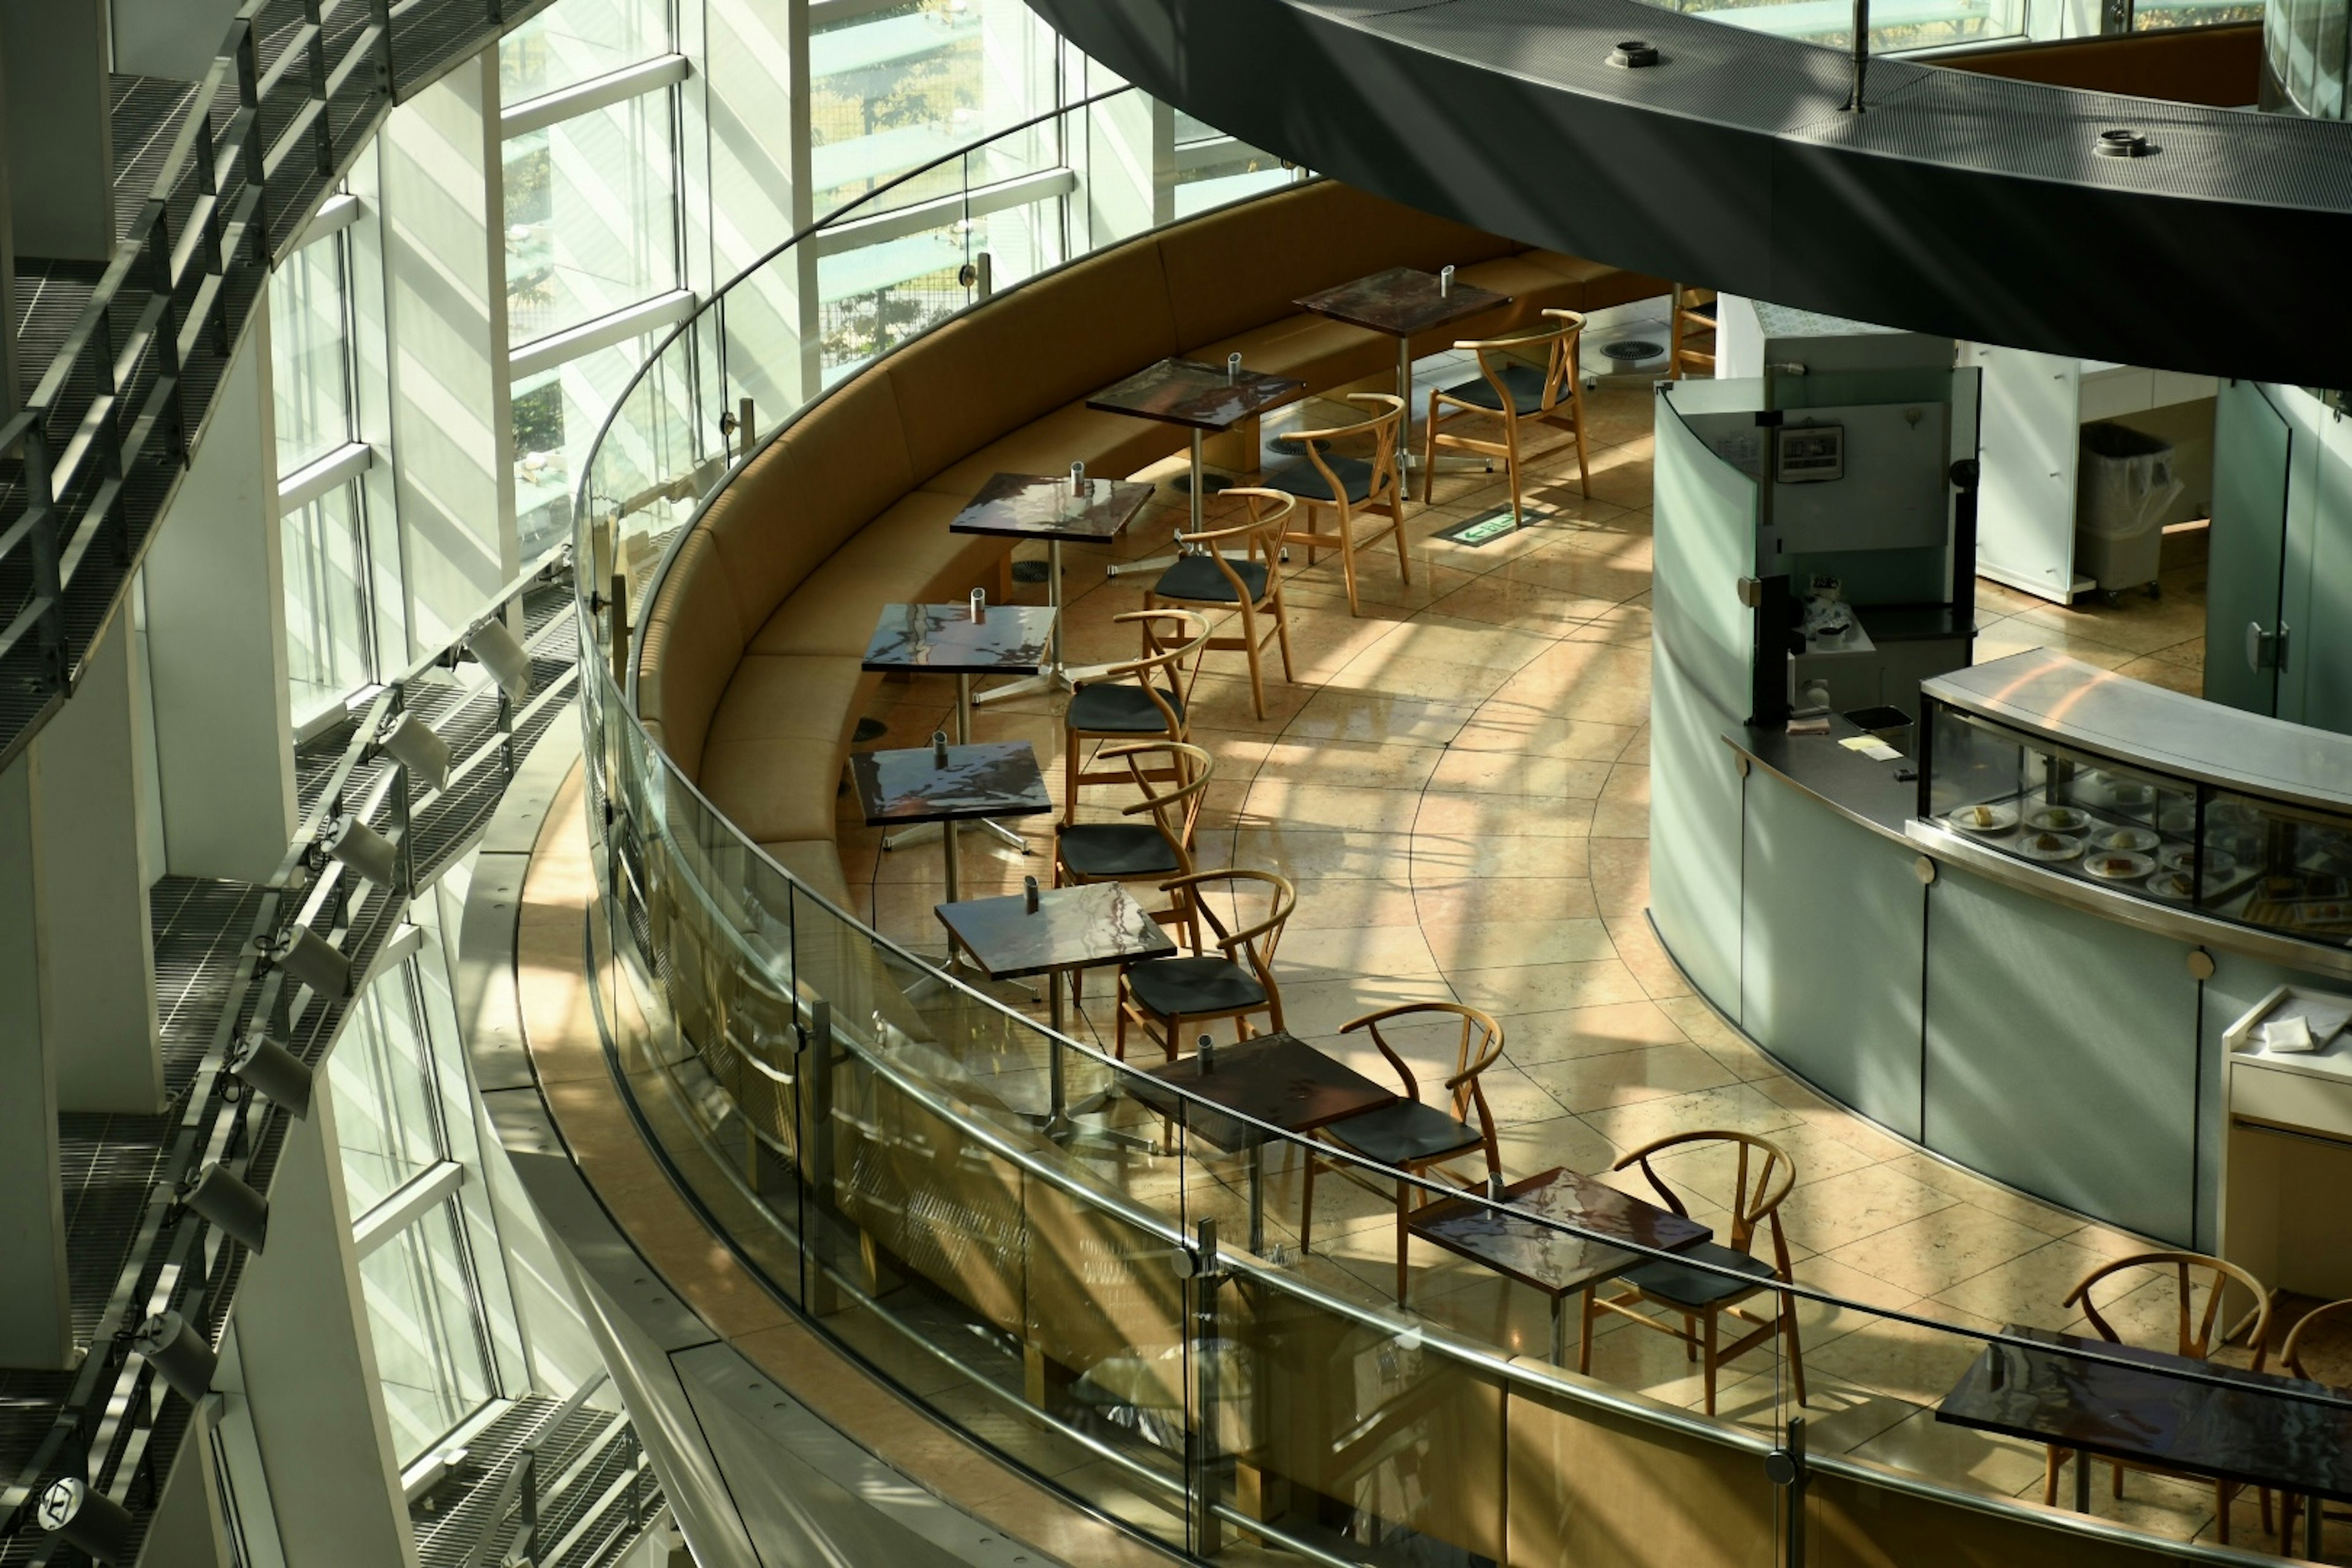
[(1457, 781)]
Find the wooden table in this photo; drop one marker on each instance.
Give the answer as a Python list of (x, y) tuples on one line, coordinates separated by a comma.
[(1204, 397), (956, 783), (1034, 506), (944, 640), (1279, 1079), (1071, 928), (1532, 1251), (1403, 302), (2247, 1427)]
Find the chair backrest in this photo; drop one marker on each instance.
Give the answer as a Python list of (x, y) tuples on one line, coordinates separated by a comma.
[(1552, 349), (1379, 427), (1478, 1041), (2292, 1357), (1177, 809), (1762, 1177), (2186, 1271), (1251, 944), (1260, 537)]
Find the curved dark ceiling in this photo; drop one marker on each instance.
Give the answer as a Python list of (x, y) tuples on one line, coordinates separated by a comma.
[(1959, 204)]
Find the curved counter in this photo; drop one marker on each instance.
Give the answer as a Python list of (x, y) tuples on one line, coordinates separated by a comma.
[(2054, 1034)]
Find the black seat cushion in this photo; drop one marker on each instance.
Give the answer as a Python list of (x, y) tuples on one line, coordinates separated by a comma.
[(1194, 987), (1404, 1133), (1298, 478), (1196, 577), (1524, 383), (1116, 708), (1117, 849), (1706, 309), (1682, 1286)]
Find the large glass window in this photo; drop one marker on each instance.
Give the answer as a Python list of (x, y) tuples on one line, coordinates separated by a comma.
[(556, 416), (329, 646), (408, 1153), (579, 41), (592, 215), (311, 354)]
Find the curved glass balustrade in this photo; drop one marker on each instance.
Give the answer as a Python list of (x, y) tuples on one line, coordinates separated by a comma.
[(1129, 1313)]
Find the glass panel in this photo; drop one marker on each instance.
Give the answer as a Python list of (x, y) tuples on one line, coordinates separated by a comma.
[(577, 41), (877, 296), (383, 1083), (329, 644), (1931, 25), (556, 415), (428, 1351), (2270, 865), (2147, 18), (590, 215), (309, 349)]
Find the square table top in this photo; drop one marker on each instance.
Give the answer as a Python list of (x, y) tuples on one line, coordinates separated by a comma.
[(1185, 391), (998, 778), (1401, 301), (1040, 506), (1073, 927), (2244, 1429), (1536, 1255), (1276, 1078), (1015, 639)]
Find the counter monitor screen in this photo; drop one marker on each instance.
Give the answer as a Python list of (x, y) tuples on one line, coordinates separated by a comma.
[(1809, 454)]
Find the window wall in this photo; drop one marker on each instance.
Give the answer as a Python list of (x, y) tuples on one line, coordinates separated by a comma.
[(330, 644), (438, 1306)]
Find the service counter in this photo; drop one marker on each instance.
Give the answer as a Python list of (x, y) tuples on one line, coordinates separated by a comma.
[(2056, 1030)]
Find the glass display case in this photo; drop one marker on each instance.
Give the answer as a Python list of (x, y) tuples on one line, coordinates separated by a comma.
[(2086, 774)]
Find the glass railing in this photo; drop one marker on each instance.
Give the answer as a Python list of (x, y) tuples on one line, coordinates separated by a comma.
[(1129, 1308)]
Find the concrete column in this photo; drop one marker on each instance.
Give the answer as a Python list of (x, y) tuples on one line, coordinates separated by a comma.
[(748, 79), (53, 54), (445, 263), (186, 1532), (169, 38), (217, 643), (310, 1372), (36, 1325), (97, 941)]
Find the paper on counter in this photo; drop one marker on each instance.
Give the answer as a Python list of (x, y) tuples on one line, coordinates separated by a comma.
[(2284, 1036), (1871, 746)]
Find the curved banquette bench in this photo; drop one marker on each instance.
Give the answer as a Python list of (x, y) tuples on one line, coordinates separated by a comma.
[(748, 671)]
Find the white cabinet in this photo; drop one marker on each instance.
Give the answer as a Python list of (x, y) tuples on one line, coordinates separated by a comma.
[(2288, 1167)]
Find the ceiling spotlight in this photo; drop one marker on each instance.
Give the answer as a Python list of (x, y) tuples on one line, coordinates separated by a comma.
[(231, 1206), (506, 660), (89, 1520), (363, 850), (411, 741), (273, 1070), (312, 960), (178, 1354)]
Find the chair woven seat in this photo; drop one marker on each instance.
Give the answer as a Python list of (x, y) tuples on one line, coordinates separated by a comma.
[(1298, 478), (1193, 987), (1101, 851), (1679, 1285), (1524, 383), (1121, 709), (1196, 578), (1404, 1133)]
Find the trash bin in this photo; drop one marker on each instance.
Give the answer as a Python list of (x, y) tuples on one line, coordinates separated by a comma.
[(2124, 484)]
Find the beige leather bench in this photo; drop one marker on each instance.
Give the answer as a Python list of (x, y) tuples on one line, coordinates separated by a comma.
[(748, 676)]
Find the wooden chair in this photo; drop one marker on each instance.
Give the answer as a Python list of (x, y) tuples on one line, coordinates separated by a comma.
[(1159, 845), (1346, 487), (1142, 700), (2291, 1360), (1410, 1136), (1251, 582), (1527, 378), (1233, 981), (1694, 318), (2195, 1340), (1762, 1179)]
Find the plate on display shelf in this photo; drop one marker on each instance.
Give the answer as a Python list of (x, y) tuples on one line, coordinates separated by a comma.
[(2049, 845), (2058, 819), (2172, 887), (2111, 865), (2126, 840), (2180, 821), (1985, 818), (2183, 858)]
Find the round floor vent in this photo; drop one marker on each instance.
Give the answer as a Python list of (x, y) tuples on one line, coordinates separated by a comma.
[(1632, 351)]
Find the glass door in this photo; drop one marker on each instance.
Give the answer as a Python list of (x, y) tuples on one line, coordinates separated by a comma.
[(2251, 444)]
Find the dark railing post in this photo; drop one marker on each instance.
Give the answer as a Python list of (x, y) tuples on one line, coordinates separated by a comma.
[(322, 131), (40, 500), (1861, 52), (157, 245), (1204, 1528), (381, 15)]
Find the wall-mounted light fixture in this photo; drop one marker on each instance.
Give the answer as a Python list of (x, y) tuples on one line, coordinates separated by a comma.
[(412, 742), (506, 659), (230, 1206), (363, 850), (178, 1354), (311, 959), (272, 1069), (87, 1518)]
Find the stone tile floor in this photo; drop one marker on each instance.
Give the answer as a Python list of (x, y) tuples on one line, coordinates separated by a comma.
[(1457, 783)]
